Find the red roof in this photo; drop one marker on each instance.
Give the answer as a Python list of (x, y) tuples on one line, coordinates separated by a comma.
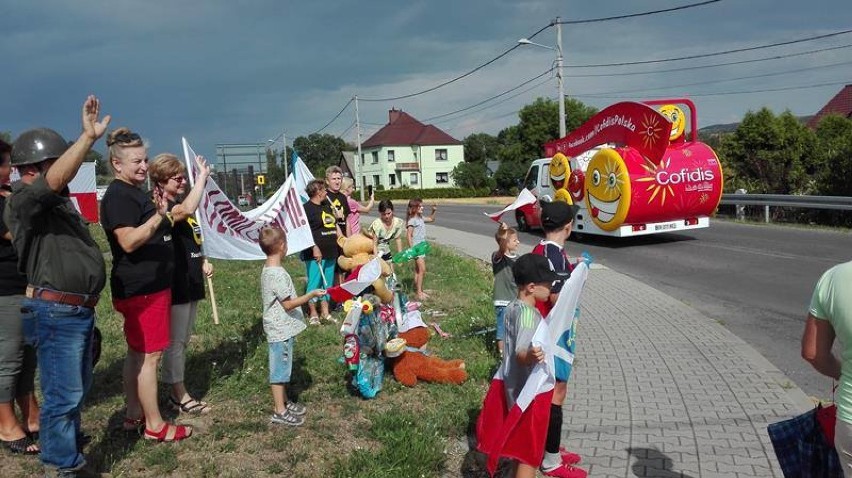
[(402, 129), (841, 105)]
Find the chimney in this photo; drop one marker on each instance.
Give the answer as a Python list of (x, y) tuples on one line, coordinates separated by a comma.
[(393, 115)]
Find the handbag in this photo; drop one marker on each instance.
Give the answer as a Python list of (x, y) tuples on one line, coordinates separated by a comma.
[(804, 444)]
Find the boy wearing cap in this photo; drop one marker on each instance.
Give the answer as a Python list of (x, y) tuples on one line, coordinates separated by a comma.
[(557, 220), (533, 277)]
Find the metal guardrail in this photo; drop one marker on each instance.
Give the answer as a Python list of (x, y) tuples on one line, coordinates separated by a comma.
[(842, 203)]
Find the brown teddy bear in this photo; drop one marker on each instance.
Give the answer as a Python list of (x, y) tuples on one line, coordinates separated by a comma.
[(357, 251), (411, 366)]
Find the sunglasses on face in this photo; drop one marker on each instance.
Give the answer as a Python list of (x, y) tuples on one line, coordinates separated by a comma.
[(178, 179), (124, 138)]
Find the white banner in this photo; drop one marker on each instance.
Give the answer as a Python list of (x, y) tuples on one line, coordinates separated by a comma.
[(525, 197), (232, 234)]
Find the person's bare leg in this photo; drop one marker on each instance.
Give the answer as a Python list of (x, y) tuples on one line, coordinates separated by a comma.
[(147, 390), (132, 365), (279, 396), (29, 411)]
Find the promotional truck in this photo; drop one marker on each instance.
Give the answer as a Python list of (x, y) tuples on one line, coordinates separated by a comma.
[(632, 169)]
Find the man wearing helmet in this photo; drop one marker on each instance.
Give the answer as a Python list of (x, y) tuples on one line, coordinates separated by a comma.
[(65, 271)]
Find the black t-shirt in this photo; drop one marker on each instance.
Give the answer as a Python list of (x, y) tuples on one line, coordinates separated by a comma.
[(339, 201), (189, 278), (149, 268), (12, 282), (322, 220)]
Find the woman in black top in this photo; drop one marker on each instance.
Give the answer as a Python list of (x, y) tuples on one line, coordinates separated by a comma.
[(138, 227), (17, 359), (168, 174)]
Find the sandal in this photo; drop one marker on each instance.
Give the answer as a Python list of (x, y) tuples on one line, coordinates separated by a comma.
[(133, 424), (199, 408), (24, 445), (287, 418), (314, 320), (296, 408), (329, 319), (169, 433)]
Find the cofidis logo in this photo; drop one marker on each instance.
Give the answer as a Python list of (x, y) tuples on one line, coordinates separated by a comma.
[(696, 175)]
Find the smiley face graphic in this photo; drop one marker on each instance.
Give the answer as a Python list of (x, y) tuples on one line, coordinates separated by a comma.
[(678, 119), (607, 189), (559, 170)]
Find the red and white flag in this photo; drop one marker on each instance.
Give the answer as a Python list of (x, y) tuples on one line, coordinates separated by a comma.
[(524, 198), (360, 278), (518, 432)]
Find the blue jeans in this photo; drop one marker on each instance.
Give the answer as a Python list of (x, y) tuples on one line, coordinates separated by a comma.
[(62, 335)]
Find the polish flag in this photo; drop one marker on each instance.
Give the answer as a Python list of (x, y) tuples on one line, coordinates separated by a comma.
[(524, 198), (359, 279), (518, 432)]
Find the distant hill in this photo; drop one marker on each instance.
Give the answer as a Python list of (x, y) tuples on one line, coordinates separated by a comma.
[(731, 127)]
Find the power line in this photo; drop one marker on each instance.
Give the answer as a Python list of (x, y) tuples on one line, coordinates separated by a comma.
[(491, 98), (336, 116), (497, 103), (634, 15), (749, 77), (742, 92), (729, 63), (705, 55)]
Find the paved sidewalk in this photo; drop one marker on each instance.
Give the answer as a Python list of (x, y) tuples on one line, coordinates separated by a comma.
[(658, 389)]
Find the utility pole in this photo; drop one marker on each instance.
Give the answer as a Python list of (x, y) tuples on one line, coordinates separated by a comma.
[(357, 161), (560, 78), (286, 157)]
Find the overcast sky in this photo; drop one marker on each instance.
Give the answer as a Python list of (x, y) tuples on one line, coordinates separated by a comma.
[(242, 72)]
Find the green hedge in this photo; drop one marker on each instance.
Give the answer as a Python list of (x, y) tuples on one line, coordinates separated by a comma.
[(435, 193)]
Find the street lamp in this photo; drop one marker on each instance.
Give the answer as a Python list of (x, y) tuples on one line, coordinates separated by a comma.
[(274, 140), (559, 80)]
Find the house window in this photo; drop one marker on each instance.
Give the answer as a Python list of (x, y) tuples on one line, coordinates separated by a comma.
[(375, 157), (391, 156), (377, 180), (392, 179), (412, 178), (440, 155), (362, 159), (442, 178)]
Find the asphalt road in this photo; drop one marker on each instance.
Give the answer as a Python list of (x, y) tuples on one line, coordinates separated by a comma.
[(756, 280)]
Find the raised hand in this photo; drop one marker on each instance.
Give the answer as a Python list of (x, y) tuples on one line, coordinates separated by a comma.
[(203, 170), (93, 128)]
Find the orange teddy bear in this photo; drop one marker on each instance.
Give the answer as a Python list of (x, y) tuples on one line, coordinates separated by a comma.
[(411, 366)]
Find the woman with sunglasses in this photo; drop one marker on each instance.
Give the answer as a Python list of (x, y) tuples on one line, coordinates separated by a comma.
[(138, 227), (168, 174)]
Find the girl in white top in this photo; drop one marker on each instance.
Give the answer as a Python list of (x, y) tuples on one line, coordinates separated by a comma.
[(416, 233)]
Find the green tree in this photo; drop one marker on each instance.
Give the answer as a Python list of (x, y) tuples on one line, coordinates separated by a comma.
[(833, 170), (319, 151), (511, 174), (472, 175), (6, 136), (769, 154), (101, 166), (481, 147), (539, 123)]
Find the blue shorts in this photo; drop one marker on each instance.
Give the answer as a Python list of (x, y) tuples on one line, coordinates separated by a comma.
[(281, 361), (500, 311), (315, 278)]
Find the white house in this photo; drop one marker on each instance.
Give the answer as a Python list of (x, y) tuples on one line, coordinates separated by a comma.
[(406, 152)]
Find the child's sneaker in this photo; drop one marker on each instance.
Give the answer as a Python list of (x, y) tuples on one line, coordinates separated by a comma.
[(286, 418), (296, 408), (569, 458), (566, 471)]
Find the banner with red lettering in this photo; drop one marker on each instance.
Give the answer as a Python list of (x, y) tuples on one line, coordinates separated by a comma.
[(628, 123), (230, 233)]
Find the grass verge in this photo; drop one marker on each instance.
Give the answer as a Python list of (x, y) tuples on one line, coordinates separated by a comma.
[(403, 432)]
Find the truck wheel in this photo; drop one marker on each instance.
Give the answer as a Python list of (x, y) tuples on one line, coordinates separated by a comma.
[(521, 220)]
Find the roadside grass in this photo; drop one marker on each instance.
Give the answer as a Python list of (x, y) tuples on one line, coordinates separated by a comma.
[(421, 431)]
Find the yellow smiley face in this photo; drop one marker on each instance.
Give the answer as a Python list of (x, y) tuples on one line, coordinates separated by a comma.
[(678, 119), (607, 189), (558, 171)]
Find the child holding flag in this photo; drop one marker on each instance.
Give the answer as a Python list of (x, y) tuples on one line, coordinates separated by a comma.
[(514, 417)]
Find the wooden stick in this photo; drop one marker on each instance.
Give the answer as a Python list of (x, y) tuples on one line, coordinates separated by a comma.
[(213, 300), (322, 274)]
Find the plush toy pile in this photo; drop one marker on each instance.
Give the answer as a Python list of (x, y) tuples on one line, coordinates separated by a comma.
[(383, 325)]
